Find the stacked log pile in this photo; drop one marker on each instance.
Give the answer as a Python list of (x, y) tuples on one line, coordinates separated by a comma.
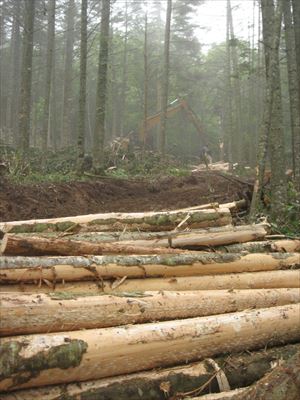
[(105, 299)]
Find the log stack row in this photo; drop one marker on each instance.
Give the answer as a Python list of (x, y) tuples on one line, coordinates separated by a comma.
[(145, 305)]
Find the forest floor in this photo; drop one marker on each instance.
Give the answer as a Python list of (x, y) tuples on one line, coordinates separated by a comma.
[(49, 200)]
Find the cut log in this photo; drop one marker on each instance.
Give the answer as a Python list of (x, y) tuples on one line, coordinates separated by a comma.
[(257, 280), (55, 312), (282, 383), (196, 241), (154, 221), (58, 269), (234, 205), (13, 245), (285, 246), (156, 385), (39, 360)]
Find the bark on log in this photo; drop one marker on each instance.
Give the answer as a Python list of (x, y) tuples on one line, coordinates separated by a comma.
[(56, 312), (58, 269), (154, 221), (13, 245), (240, 370), (282, 383), (38, 360), (256, 280), (285, 246)]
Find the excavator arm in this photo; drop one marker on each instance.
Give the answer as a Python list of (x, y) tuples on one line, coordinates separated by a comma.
[(154, 120)]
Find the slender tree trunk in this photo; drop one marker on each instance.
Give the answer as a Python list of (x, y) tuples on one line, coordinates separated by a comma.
[(296, 19), (228, 97), (165, 80), (49, 70), (99, 130), (68, 74), (238, 136), (293, 88), (146, 83), (82, 90), (124, 73), (26, 77), (13, 100)]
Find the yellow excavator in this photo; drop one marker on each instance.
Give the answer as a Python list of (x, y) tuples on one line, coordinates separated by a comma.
[(176, 106)]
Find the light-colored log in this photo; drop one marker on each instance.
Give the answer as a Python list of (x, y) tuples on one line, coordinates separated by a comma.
[(58, 269), (256, 280), (55, 312), (233, 205), (13, 245), (39, 360), (162, 220), (244, 369), (193, 240), (223, 395), (285, 246)]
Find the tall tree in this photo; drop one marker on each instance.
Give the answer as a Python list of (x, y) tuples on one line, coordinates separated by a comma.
[(293, 88), (49, 70), (82, 90), (146, 81), (165, 79), (26, 76), (99, 130), (68, 73), (296, 19), (124, 72)]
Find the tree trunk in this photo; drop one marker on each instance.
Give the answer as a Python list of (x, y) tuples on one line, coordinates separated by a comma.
[(240, 370), (161, 220), (39, 360), (165, 81), (82, 90), (26, 77), (49, 70), (65, 269), (256, 280), (34, 246), (293, 89), (146, 83), (44, 313), (296, 19), (68, 74), (99, 130)]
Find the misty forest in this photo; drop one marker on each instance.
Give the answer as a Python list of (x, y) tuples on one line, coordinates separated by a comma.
[(150, 199)]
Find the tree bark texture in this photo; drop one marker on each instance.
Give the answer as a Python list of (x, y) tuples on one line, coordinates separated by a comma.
[(38, 360), (55, 312), (162, 220), (64, 269), (255, 280), (240, 370)]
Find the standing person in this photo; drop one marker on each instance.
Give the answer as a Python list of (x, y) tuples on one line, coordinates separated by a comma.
[(205, 156)]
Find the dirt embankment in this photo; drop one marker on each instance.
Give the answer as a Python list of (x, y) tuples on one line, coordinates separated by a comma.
[(50, 200)]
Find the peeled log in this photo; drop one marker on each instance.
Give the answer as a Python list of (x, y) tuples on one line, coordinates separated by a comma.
[(194, 240), (256, 280), (38, 360), (161, 220), (248, 368), (13, 245), (55, 312), (58, 269)]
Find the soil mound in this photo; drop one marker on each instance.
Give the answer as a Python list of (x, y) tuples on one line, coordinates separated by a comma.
[(49, 200)]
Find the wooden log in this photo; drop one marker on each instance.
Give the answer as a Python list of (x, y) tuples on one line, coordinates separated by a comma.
[(55, 312), (39, 360), (233, 205), (285, 246), (196, 241), (58, 269), (243, 369), (13, 245), (256, 280), (162, 220), (282, 383)]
